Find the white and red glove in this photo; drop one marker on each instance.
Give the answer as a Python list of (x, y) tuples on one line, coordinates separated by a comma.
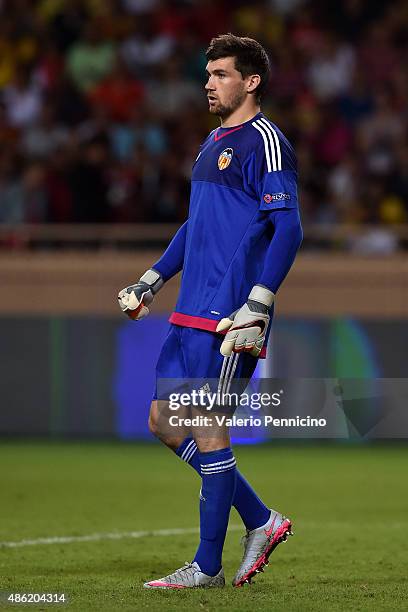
[(247, 326), (134, 300)]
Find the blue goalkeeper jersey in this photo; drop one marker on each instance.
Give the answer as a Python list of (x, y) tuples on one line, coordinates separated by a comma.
[(241, 174)]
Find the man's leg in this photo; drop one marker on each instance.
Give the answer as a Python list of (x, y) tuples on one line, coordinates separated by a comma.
[(215, 504), (159, 425), (217, 467), (250, 507), (218, 473), (214, 459), (259, 542)]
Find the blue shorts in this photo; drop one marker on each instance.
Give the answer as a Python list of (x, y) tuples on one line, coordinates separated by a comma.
[(191, 357)]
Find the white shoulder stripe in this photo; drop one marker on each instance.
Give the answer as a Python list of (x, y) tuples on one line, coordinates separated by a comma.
[(268, 159), (271, 143), (277, 143)]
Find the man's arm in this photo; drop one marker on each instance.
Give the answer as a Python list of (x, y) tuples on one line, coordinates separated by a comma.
[(172, 259), (272, 169), (133, 300), (283, 248), (246, 328)]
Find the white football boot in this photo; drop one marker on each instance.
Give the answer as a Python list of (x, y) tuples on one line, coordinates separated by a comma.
[(189, 576), (259, 544)]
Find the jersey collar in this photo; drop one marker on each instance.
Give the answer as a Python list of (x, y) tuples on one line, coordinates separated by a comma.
[(221, 132)]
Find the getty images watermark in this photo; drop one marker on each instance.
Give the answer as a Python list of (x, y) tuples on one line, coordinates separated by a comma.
[(212, 402)]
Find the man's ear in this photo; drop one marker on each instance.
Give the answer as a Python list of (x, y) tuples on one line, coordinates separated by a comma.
[(253, 82)]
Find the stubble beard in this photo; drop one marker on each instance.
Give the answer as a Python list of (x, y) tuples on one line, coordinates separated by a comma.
[(225, 110)]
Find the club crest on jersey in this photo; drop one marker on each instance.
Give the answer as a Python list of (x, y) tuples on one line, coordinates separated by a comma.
[(224, 159)]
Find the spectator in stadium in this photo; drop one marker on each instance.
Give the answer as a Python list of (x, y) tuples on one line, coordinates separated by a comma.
[(90, 59), (22, 99), (44, 136), (118, 93)]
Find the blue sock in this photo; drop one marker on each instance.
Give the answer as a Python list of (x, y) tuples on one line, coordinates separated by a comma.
[(218, 473), (252, 510)]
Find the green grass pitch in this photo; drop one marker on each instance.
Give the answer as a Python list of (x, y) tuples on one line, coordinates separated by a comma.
[(349, 506)]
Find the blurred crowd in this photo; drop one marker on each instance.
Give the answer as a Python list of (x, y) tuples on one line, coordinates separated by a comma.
[(102, 106)]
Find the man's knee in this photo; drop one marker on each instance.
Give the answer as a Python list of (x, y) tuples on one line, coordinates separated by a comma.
[(154, 419), (158, 426)]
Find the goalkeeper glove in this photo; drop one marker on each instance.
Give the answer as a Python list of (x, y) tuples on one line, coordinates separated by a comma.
[(134, 300), (246, 327)]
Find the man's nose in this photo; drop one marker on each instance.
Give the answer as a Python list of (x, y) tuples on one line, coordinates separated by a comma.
[(209, 84)]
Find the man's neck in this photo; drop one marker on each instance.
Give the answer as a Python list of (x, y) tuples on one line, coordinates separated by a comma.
[(241, 115)]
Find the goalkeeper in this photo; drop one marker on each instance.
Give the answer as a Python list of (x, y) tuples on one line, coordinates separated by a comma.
[(235, 249)]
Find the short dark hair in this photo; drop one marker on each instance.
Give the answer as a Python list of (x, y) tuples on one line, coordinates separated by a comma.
[(250, 57)]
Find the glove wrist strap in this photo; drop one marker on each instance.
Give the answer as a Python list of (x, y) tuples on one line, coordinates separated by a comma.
[(262, 294), (153, 279)]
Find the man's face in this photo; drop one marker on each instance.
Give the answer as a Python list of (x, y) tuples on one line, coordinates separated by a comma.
[(226, 89)]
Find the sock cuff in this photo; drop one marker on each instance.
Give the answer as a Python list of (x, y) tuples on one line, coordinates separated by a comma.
[(218, 461), (187, 449)]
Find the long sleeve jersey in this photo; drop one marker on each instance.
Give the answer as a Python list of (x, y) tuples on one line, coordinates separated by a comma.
[(243, 226)]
